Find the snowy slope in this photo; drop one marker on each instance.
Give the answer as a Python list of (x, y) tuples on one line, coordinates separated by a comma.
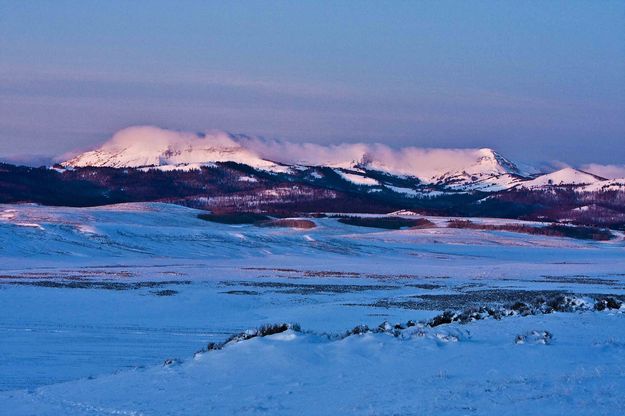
[(147, 146), (144, 231), (578, 180), (85, 325), (607, 185), (357, 179), (563, 177), (474, 369)]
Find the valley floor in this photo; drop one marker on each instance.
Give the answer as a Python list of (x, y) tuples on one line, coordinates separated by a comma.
[(93, 301)]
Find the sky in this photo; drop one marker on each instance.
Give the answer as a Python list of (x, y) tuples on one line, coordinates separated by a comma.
[(540, 82)]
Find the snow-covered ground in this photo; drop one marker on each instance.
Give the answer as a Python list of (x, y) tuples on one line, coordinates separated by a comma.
[(473, 369), (93, 300)]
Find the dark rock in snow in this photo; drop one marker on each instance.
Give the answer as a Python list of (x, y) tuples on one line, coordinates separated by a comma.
[(607, 303)]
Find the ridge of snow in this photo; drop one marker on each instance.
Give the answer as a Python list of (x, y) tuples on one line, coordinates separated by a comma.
[(144, 146), (357, 179), (566, 176)]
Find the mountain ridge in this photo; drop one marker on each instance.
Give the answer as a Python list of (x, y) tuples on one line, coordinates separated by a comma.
[(221, 172), (455, 170), (150, 147)]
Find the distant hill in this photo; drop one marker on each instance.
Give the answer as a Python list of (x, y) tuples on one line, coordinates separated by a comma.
[(222, 172)]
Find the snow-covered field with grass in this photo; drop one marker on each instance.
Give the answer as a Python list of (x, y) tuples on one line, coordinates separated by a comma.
[(110, 310)]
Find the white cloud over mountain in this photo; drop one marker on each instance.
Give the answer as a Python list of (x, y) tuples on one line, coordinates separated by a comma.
[(415, 161), (605, 171), (149, 145)]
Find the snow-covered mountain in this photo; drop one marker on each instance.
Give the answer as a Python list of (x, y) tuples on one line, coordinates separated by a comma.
[(576, 179), (423, 171), (491, 172), (138, 147), (151, 147)]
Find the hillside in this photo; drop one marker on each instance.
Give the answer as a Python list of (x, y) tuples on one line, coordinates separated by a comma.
[(223, 172)]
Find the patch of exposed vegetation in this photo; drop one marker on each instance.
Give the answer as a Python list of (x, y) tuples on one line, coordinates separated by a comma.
[(307, 273), (165, 292), (263, 331), (607, 303), (387, 223), (235, 218), (476, 298), (169, 362), (425, 286), (581, 280), (288, 223), (540, 305), (336, 273), (552, 230), (534, 337), (95, 284), (309, 289), (241, 292)]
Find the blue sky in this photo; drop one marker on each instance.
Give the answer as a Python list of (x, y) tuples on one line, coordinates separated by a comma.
[(538, 81)]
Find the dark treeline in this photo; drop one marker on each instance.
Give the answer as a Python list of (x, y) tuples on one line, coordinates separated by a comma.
[(220, 189)]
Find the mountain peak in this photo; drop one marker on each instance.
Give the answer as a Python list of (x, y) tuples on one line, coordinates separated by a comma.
[(489, 172), (498, 163), (144, 146)]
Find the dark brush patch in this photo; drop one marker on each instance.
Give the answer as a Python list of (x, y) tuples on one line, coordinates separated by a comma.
[(477, 298), (241, 292), (552, 230), (309, 289), (235, 218), (387, 223), (541, 305), (263, 331), (91, 284), (287, 223), (165, 292), (581, 280)]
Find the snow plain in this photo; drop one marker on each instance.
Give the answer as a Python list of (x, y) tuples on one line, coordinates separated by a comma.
[(93, 300)]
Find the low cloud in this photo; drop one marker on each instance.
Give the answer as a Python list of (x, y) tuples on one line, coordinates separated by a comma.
[(146, 139), (406, 160), (605, 171), (27, 160), (424, 163)]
